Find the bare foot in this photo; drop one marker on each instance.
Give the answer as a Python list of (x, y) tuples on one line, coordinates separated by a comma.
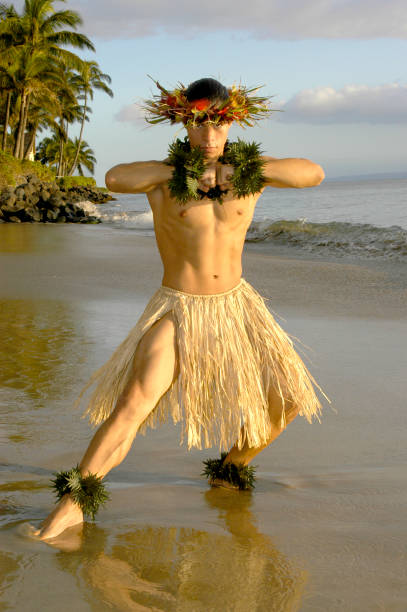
[(65, 514), (217, 482)]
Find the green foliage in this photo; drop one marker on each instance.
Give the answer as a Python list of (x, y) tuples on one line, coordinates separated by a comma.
[(12, 169), (245, 157), (241, 476), (76, 181), (189, 166), (87, 492), (43, 84)]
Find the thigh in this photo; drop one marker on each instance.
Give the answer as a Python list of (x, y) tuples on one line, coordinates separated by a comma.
[(154, 368), (156, 364)]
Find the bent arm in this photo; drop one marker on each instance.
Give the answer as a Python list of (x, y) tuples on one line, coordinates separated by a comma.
[(293, 172), (137, 177)]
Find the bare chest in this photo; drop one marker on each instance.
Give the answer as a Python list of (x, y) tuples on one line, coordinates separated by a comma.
[(231, 213)]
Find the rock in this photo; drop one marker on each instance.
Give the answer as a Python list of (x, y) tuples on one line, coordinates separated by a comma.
[(52, 215), (44, 202), (34, 213), (20, 193)]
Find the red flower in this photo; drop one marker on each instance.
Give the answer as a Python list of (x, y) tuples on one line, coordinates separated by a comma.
[(201, 104), (170, 100)]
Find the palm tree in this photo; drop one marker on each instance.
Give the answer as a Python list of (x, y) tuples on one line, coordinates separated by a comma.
[(48, 153), (85, 159), (36, 76), (37, 36), (39, 28), (89, 78), (43, 113), (69, 112), (8, 64)]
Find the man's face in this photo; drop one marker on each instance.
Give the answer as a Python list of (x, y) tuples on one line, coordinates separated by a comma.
[(210, 138)]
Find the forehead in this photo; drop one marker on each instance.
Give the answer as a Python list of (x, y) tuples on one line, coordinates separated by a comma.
[(205, 125)]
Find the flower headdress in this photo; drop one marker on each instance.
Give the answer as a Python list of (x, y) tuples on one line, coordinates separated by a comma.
[(173, 106)]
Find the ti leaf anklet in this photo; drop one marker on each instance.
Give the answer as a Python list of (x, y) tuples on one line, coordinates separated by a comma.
[(87, 492), (189, 166), (239, 475)]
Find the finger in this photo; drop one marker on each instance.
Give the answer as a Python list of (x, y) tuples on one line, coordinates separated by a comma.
[(208, 182)]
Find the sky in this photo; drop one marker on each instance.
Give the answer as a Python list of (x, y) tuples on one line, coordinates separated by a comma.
[(337, 68)]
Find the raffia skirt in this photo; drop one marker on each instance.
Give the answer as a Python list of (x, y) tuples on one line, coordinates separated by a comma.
[(231, 351)]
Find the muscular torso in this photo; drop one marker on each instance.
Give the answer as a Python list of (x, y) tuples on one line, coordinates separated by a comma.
[(201, 242)]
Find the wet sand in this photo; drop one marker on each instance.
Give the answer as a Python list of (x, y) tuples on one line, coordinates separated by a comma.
[(324, 528)]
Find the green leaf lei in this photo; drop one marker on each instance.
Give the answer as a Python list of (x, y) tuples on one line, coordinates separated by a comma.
[(189, 166), (87, 492), (239, 475)]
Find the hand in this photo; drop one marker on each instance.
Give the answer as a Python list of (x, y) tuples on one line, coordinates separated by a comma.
[(208, 179), (216, 174), (224, 174)]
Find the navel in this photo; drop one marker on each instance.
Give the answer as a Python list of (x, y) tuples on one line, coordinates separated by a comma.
[(216, 276), (183, 213), (240, 212)]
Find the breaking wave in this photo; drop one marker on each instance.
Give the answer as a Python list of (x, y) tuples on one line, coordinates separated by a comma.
[(339, 238)]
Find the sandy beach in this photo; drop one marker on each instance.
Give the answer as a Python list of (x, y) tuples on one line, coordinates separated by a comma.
[(325, 527)]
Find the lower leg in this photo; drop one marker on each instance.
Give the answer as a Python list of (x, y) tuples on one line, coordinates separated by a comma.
[(107, 449), (155, 369), (244, 455), (279, 411)]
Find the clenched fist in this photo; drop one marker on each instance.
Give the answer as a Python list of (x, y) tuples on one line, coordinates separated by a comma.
[(216, 174)]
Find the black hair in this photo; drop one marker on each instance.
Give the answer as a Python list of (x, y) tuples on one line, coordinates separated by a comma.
[(206, 88)]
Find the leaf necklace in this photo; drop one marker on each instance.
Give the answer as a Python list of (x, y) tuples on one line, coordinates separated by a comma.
[(189, 166)]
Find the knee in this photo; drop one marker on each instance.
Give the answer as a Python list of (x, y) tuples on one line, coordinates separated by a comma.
[(133, 406), (291, 410), (281, 410)]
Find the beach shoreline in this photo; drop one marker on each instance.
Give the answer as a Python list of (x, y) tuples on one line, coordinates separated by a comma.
[(78, 262), (326, 514)]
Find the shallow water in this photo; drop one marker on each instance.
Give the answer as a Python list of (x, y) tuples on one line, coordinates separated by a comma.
[(323, 530)]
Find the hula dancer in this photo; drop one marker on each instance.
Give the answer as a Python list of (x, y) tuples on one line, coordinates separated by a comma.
[(206, 351)]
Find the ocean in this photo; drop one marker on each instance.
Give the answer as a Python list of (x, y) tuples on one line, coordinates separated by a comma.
[(355, 218)]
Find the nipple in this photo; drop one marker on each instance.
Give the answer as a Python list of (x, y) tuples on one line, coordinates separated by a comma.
[(183, 213)]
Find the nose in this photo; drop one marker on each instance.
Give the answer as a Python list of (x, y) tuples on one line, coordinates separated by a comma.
[(209, 134)]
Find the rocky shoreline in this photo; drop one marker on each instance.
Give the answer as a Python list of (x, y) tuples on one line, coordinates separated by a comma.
[(37, 201)]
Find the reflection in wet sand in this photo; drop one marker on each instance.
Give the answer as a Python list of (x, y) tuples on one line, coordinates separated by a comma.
[(39, 345), (184, 569), (42, 350)]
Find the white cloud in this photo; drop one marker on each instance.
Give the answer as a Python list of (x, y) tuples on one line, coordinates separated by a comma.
[(131, 113), (352, 104), (292, 19)]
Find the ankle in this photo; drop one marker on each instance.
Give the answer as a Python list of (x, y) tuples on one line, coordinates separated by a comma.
[(239, 475)]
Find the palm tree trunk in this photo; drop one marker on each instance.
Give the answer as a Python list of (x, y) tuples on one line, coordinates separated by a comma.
[(31, 144), (75, 161), (61, 150), (4, 143), (25, 119), (17, 143)]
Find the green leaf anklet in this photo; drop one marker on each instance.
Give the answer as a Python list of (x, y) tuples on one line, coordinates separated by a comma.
[(189, 166), (239, 475), (87, 492)]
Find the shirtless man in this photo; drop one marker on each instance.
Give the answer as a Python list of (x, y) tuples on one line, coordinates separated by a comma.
[(201, 246)]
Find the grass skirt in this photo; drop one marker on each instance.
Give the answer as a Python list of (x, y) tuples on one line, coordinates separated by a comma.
[(231, 350)]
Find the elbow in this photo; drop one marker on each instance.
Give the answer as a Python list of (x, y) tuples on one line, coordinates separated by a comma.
[(319, 175), (111, 180)]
